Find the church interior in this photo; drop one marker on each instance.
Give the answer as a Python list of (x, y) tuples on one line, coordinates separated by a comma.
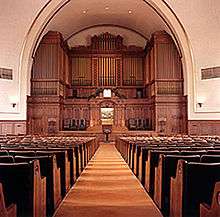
[(110, 108)]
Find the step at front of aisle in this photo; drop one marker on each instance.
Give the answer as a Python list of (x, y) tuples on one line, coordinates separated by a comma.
[(107, 188)]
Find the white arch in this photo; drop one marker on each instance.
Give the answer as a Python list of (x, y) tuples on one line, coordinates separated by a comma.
[(158, 5)]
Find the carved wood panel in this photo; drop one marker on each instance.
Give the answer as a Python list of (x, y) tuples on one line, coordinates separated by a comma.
[(150, 81)]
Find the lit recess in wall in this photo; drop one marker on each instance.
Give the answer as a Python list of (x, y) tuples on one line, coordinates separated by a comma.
[(107, 7), (107, 93)]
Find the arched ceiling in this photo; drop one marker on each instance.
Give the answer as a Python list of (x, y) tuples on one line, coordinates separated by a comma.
[(130, 37), (81, 15)]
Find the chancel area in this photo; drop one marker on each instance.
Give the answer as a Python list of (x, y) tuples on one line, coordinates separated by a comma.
[(109, 108), (73, 89)]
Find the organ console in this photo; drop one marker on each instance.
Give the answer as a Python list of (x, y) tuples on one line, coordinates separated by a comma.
[(67, 84)]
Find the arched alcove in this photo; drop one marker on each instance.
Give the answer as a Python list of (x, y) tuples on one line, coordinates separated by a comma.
[(163, 11)]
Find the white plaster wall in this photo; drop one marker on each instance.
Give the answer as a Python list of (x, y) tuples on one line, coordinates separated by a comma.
[(201, 19), (16, 18), (130, 37)]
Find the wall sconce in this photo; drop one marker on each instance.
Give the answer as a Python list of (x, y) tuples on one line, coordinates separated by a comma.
[(200, 104), (13, 105), (200, 101), (13, 101)]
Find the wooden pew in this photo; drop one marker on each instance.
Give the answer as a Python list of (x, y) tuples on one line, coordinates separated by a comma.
[(69, 163), (124, 148), (24, 186), (134, 163), (213, 209), (213, 152), (151, 162), (84, 154), (64, 165), (31, 151), (81, 157), (78, 156), (6, 159), (142, 161), (47, 150), (3, 152), (193, 152), (210, 158), (142, 158), (137, 159), (90, 150), (142, 154), (77, 161), (50, 170), (87, 148), (10, 211), (22, 152), (134, 158), (164, 170), (192, 185), (131, 154)]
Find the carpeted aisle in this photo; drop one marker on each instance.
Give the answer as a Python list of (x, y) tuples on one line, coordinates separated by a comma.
[(107, 188)]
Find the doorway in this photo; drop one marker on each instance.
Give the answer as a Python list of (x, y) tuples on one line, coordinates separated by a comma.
[(107, 116)]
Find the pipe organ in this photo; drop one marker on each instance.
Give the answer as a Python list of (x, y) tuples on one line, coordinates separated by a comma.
[(67, 85), (133, 71), (81, 71), (107, 71), (107, 62)]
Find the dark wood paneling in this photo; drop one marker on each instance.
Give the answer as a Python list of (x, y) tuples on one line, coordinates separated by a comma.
[(13, 127), (42, 111), (148, 83), (204, 127), (164, 84)]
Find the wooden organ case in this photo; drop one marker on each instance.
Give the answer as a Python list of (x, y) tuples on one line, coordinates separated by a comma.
[(67, 86)]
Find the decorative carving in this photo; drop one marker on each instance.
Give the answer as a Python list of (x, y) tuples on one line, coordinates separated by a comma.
[(115, 91), (106, 43), (146, 85), (97, 92)]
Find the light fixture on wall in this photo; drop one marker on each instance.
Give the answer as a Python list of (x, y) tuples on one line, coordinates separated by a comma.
[(13, 105), (13, 101), (200, 101), (200, 104)]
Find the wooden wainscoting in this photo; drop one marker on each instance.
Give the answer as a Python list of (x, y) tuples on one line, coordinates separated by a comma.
[(13, 127), (204, 127)]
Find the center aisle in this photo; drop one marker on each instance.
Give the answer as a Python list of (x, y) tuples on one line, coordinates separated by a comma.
[(107, 188)]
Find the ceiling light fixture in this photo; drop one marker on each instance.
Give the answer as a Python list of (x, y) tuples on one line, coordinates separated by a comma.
[(84, 11), (107, 7), (130, 11)]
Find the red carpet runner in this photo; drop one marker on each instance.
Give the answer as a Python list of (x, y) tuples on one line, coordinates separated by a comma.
[(107, 188)]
